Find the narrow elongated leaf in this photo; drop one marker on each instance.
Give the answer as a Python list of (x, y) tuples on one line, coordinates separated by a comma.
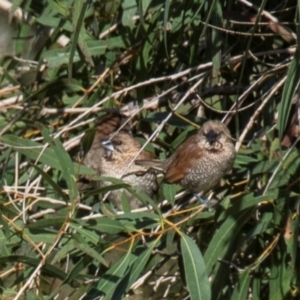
[(224, 237), (140, 263), (106, 225), (281, 276), (78, 33), (54, 22), (33, 150), (52, 183), (169, 191), (89, 235), (47, 223), (166, 24), (80, 8), (195, 270), (83, 246), (58, 57), (248, 201), (129, 10), (291, 237), (66, 163), (289, 89), (31, 261), (217, 38), (242, 289), (109, 280), (74, 273)]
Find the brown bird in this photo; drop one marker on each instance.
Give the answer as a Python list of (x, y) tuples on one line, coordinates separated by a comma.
[(106, 125), (111, 157), (201, 161)]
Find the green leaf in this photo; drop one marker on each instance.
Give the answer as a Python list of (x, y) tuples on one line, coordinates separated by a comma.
[(291, 237), (72, 275), (289, 90), (46, 223), (169, 191), (216, 39), (87, 140), (33, 150), (56, 58), (109, 280), (281, 276), (34, 262), (140, 263), (106, 225), (89, 235), (54, 22), (241, 291), (66, 163), (180, 139), (52, 183), (195, 269), (224, 237), (43, 237), (129, 10), (81, 244), (166, 24), (79, 34), (246, 202)]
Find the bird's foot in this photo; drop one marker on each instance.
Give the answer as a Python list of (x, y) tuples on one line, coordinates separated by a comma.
[(205, 202)]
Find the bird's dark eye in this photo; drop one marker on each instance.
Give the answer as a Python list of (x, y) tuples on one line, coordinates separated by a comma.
[(117, 143)]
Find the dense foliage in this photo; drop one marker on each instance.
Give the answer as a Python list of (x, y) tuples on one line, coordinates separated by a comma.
[(166, 65)]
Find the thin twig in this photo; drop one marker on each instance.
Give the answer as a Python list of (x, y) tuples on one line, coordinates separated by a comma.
[(273, 90)]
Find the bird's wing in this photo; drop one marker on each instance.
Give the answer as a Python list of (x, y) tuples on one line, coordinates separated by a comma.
[(185, 158)]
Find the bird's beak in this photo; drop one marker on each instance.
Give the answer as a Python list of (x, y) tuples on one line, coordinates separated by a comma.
[(108, 145), (211, 136)]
